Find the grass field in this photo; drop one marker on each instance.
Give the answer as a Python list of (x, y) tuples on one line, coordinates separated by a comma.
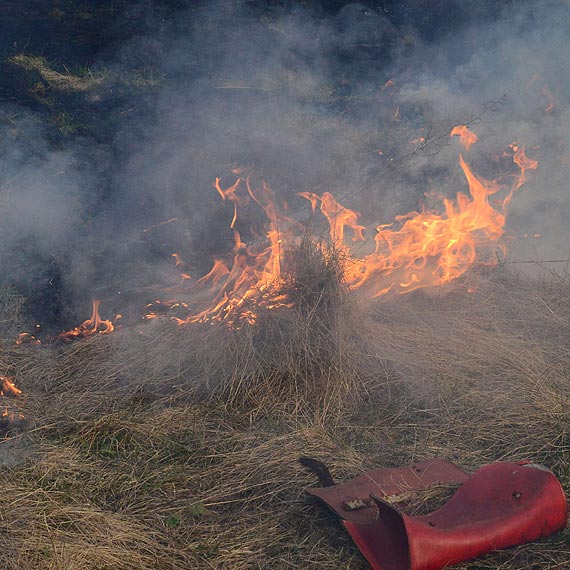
[(161, 447), (178, 448)]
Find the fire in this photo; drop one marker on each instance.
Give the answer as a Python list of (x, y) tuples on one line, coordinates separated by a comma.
[(27, 338), (466, 137), (178, 259), (12, 416), (9, 390), (253, 268), (92, 326), (430, 247), (7, 387), (420, 249), (338, 217)]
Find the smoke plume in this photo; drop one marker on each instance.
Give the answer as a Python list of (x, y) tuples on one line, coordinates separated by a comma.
[(355, 99)]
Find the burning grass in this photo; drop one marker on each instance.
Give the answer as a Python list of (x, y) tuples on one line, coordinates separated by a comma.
[(178, 448)]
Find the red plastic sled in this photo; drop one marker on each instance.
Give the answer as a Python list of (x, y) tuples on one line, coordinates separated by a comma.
[(499, 506)]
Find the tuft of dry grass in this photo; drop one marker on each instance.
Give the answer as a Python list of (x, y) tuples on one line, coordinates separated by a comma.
[(171, 447), (59, 81), (304, 358)]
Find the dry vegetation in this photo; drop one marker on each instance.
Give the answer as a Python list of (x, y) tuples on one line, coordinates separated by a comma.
[(56, 80), (177, 447)]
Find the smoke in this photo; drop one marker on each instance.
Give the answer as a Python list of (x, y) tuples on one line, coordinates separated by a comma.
[(512, 73), (354, 99)]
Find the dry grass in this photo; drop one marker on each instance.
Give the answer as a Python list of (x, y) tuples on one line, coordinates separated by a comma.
[(83, 81), (59, 81), (178, 448)]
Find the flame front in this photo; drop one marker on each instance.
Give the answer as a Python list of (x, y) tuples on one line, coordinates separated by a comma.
[(430, 248), (421, 249)]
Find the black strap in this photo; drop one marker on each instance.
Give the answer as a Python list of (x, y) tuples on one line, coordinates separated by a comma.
[(319, 469)]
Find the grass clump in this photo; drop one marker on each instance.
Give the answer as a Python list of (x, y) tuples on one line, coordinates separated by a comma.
[(304, 357), (56, 80)]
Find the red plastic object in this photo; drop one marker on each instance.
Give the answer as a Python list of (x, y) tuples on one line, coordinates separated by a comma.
[(501, 505), (384, 483)]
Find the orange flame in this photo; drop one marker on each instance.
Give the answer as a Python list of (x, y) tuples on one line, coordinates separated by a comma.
[(418, 250), (7, 387), (92, 326), (178, 259), (338, 217), (12, 416), (253, 269), (27, 338), (431, 248), (466, 137), (524, 163)]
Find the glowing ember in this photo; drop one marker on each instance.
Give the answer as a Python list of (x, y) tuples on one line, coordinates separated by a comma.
[(92, 326), (7, 387), (160, 224), (27, 338)]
